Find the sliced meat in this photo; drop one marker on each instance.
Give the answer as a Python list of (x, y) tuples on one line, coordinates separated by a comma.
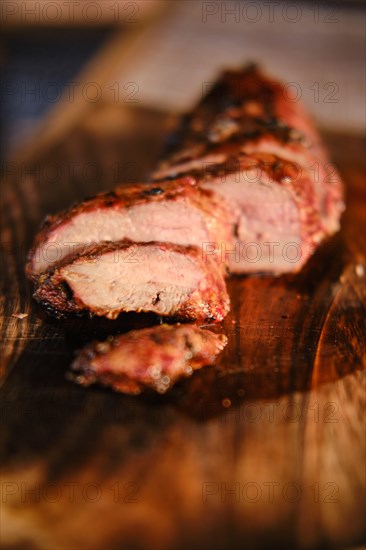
[(251, 142), (169, 280), (174, 211), (150, 358)]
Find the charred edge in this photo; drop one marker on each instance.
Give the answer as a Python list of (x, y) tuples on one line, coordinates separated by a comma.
[(153, 192), (188, 343), (236, 230), (66, 289), (156, 299)]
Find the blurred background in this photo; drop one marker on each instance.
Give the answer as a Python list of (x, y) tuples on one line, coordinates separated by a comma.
[(89, 90), (65, 61)]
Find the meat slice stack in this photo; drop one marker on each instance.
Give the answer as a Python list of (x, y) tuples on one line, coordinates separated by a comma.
[(245, 187), (246, 182), (138, 248)]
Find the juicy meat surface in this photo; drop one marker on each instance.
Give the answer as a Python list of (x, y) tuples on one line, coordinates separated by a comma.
[(175, 211), (169, 280), (150, 358), (252, 143)]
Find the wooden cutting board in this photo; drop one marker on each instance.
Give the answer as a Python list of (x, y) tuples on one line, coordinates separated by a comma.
[(263, 450)]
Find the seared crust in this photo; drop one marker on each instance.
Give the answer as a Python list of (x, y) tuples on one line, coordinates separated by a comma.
[(243, 105)]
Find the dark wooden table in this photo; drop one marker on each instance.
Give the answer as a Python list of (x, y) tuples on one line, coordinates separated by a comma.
[(263, 450)]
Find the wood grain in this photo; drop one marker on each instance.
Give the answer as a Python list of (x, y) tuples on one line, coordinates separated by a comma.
[(265, 449)]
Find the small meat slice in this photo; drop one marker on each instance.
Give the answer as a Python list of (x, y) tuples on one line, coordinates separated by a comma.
[(150, 358), (278, 222), (169, 280), (173, 211)]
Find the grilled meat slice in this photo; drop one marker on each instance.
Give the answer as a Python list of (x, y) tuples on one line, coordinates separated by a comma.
[(150, 358), (173, 211), (252, 143), (169, 280)]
